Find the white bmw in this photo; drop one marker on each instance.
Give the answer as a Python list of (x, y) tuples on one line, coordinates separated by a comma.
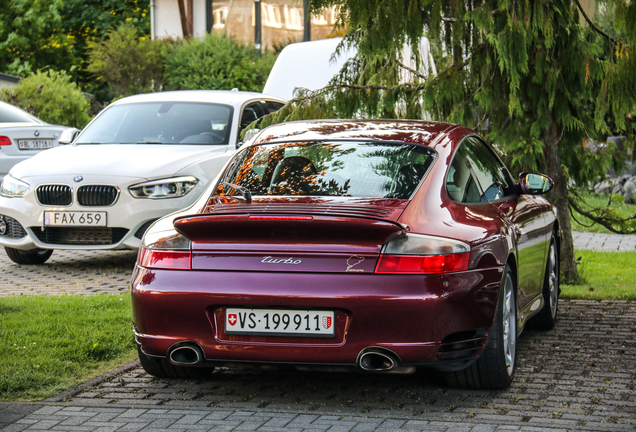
[(23, 135), (141, 158)]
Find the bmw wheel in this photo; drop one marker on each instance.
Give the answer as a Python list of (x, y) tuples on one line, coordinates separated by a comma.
[(35, 256)]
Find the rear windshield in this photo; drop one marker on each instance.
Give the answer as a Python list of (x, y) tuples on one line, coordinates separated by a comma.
[(9, 114), (341, 168), (160, 123)]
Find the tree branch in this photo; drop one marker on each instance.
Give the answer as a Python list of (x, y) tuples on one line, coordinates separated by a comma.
[(604, 221), (313, 94), (592, 25), (413, 71)]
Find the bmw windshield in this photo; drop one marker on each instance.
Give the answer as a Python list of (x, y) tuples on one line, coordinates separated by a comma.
[(160, 123)]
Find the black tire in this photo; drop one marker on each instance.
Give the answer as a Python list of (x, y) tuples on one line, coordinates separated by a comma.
[(35, 256), (495, 368), (162, 368), (546, 318)]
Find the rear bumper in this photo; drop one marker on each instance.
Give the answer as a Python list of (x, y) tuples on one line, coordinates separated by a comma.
[(412, 315)]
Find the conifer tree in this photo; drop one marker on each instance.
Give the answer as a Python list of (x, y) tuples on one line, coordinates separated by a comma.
[(538, 78)]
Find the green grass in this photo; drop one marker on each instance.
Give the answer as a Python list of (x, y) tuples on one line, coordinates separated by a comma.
[(595, 200), (606, 275), (51, 343)]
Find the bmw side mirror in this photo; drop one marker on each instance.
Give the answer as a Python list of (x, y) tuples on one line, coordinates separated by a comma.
[(248, 135), (535, 184), (68, 135)]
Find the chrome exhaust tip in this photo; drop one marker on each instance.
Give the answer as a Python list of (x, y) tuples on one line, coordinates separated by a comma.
[(186, 355), (378, 359)]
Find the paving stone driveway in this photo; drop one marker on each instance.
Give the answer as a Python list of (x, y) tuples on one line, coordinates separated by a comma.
[(69, 272), (580, 376)]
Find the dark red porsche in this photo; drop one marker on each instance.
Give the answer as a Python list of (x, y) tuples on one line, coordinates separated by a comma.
[(376, 246)]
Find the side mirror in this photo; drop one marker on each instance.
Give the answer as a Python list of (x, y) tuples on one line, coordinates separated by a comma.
[(68, 135), (248, 135), (535, 184)]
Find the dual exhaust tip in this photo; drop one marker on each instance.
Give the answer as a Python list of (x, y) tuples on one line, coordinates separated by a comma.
[(372, 359)]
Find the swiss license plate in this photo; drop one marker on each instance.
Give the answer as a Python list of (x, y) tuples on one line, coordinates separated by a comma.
[(280, 322), (66, 218), (31, 144)]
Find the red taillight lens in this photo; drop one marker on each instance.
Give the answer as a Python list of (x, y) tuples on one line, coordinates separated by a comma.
[(422, 264), (165, 259), (5, 140)]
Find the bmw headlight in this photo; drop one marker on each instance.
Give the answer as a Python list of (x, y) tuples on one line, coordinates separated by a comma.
[(165, 188), (13, 188)]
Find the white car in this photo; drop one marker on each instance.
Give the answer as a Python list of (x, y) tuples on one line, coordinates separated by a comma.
[(141, 158), (22, 136)]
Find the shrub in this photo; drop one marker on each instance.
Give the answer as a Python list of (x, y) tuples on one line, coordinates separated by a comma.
[(129, 64), (50, 96), (215, 63)]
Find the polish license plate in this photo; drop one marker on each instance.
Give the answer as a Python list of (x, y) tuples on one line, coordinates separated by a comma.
[(66, 218), (30, 144), (280, 322)]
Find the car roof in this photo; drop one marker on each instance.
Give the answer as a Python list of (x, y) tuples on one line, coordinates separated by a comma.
[(229, 97), (410, 131)]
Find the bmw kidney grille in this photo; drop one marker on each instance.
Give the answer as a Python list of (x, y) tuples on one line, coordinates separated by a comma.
[(97, 195), (54, 195), (89, 196)]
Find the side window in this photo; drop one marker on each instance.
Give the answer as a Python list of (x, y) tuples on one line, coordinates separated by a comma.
[(274, 106), (251, 113), (476, 175)]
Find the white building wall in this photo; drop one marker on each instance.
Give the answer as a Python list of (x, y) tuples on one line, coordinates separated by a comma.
[(167, 21), (8, 81)]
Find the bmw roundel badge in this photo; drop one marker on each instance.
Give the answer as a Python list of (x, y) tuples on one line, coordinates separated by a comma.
[(36, 133), (78, 178)]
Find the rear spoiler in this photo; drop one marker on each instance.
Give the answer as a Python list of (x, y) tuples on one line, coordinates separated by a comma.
[(297, 229)]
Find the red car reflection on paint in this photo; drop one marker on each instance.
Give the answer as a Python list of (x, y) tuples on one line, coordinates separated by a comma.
[(377, 246)]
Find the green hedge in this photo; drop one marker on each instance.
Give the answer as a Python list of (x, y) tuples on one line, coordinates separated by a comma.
[(50, 96), (215, 63), (129, 64)]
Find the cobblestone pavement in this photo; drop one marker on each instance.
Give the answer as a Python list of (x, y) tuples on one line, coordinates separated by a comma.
[(69, 272), (580, 376), (604, 242)]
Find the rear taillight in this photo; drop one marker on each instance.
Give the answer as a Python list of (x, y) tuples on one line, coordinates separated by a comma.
[(165, 250), (164, 259), (422, 264), (417, 254), (5, 140)]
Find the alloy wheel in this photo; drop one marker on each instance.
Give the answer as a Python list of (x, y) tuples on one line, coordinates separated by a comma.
[(553, 281), (509, 325)]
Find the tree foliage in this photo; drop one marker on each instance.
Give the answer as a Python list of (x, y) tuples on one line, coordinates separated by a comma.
[(55, 34), (28, 35), (527, 74), (91, 21), (215, 63), (50, 96), (127, 63)]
